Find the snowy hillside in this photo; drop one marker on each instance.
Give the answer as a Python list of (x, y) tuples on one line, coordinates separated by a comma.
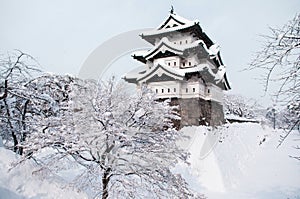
[(233, 161), (242, 161), (23, 182)]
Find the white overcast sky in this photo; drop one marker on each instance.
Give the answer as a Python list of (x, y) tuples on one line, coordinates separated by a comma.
[(61, 34)]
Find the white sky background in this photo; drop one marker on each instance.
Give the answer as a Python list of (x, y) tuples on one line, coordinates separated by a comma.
[(61, 34)]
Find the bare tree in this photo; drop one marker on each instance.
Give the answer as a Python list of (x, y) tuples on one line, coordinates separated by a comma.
[(279, 60)]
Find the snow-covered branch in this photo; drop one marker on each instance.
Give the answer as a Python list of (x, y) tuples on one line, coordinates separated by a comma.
[(279, 61), (120, 137)]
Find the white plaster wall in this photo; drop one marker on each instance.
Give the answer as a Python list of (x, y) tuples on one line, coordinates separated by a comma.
[(181, 38), (215, 93), (182, 89), (173, 62), (190, 61), (158, 87)]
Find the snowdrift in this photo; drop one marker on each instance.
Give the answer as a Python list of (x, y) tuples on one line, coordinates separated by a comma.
[(22, 182), (241, 160)]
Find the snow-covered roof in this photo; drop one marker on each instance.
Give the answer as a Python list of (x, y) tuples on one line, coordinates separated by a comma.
[(165, 45), (133, 74), (220, 73), (139, 53), (175, 17), (171, 29), (178, 73)]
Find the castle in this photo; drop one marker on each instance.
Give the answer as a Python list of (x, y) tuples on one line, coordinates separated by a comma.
[(184, 65)]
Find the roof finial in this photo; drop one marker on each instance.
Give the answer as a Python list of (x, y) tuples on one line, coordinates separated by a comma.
[(172, 10)]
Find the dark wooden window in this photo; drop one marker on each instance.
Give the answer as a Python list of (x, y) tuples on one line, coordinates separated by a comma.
[(194, 90), (175, 90), (162, 90), (168, 90), (190, 63), (156, 90), (174, 63), (183, 63), (186, 90)]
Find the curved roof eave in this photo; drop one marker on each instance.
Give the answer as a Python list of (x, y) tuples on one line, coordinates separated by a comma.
[(154, 69)]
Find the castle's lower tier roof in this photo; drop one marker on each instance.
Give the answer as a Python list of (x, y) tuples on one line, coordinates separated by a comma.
[(145, 75)]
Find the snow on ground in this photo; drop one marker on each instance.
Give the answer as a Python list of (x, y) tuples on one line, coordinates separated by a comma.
[(241, 161), (22, 182), (233, 161)]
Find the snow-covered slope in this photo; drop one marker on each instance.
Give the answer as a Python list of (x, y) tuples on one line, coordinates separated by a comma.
[(242, 161), (233, 161), (22, 182)]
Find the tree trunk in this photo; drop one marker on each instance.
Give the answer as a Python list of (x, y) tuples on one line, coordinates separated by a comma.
[(23, 138), (105, 181), (4, 95), (14, 136)]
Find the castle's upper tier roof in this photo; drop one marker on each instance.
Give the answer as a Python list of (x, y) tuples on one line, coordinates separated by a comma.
[(175, 23)]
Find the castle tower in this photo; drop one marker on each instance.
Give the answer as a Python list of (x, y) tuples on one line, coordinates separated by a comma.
[(184, 65)]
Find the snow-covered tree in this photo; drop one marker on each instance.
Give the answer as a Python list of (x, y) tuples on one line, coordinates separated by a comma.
[(29, 100), (16, 70), (289, 120), (272, 115), (239, 106), (126, 143), (292, 115)]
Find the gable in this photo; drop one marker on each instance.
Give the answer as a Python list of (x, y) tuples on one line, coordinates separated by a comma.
[(162, 78), (160, 71), (163, 48), (171, 22)]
